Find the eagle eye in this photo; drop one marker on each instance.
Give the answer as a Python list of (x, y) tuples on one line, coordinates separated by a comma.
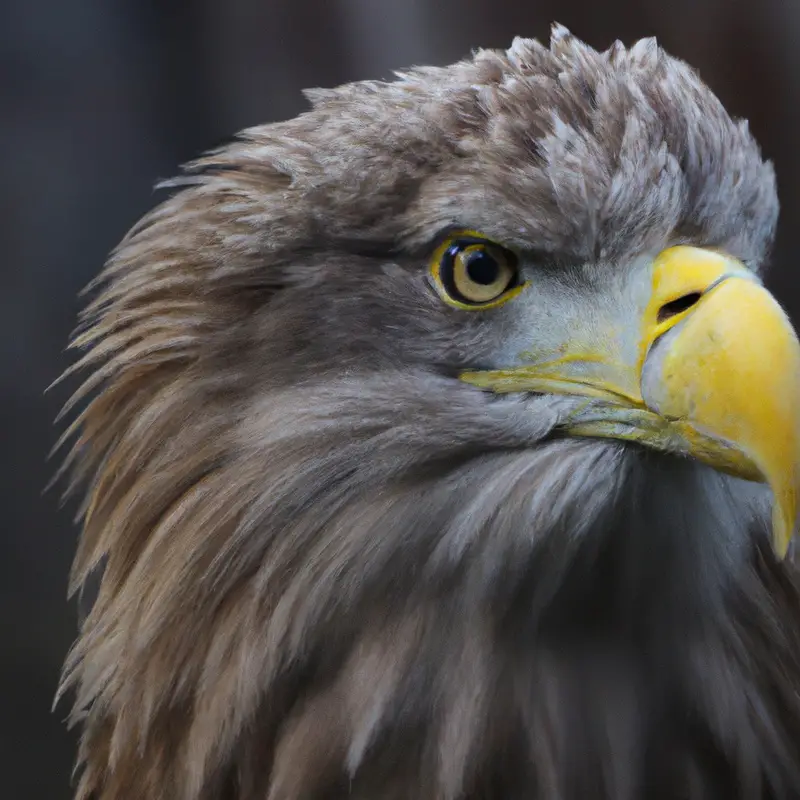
[(471, 272)]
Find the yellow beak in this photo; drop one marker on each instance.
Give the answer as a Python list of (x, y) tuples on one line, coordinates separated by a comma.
[(714, 374)]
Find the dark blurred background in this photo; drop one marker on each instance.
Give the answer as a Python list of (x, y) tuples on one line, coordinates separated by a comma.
[(101, 98)]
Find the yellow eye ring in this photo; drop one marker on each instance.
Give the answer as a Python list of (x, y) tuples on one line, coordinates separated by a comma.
[(472, 273)]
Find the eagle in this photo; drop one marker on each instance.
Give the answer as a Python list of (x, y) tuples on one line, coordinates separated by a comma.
[(443, 443)]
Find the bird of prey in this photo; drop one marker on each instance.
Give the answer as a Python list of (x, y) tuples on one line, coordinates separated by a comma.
[(443, 443)]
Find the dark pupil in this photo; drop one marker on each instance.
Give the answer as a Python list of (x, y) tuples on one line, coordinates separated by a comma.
[(482, 268)]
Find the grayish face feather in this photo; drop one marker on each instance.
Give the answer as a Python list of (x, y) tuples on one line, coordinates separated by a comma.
[(307, 517)]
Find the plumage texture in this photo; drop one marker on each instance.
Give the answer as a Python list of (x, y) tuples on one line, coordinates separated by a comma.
[(331, 568)]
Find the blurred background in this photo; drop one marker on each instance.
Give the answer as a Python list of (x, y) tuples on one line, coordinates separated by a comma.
[(101, 98)]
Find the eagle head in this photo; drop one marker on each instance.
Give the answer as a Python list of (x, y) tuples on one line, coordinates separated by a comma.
[(443, 442)]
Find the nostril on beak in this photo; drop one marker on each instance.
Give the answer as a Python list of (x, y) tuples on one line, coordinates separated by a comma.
[(675, 307)]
